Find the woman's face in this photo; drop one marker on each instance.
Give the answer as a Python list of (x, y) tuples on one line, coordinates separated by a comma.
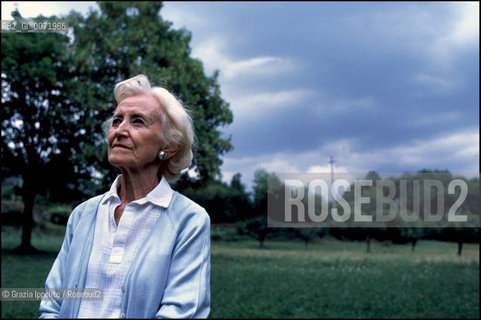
[(134, 137)]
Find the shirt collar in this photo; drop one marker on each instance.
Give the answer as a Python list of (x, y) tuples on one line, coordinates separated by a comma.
[(112, 193), (160, 196)]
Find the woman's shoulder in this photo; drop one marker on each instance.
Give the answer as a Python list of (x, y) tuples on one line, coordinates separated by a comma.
[(85, 208), (183, 208)]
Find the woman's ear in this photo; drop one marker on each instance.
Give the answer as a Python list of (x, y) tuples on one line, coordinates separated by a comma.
[(171, 151)]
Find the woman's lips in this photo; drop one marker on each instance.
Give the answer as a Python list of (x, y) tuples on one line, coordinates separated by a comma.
[(120, 146)]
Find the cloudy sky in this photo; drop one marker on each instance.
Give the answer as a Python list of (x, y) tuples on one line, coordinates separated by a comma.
[(390, 87)]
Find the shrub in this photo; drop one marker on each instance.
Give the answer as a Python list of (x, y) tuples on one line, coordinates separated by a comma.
[(59, 214), (12, 213), (224, 234)]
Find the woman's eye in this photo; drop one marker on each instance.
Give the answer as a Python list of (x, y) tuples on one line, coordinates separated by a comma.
[(138, 121)]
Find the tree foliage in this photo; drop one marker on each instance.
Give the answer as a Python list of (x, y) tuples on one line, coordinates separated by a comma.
[(225, 203)]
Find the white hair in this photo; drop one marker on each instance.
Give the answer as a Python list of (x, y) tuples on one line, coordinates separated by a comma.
[(176, 123)]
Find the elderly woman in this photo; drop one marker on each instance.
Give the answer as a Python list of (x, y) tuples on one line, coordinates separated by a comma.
[(146, 246)]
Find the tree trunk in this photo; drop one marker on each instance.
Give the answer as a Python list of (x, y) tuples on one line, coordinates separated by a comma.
[(27, 219), (460, 248), (413, 244)]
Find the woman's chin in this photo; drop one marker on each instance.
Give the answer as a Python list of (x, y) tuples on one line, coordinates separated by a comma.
[(119, 162)]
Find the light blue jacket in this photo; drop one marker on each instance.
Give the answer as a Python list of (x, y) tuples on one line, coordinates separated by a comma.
[(169, 278)]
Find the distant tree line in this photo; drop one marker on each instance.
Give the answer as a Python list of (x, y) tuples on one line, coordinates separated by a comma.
[(230, 203)]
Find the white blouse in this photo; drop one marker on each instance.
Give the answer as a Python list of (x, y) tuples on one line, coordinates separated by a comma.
[(115, 247)]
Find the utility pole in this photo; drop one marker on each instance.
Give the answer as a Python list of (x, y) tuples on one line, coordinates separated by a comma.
[(331, 162)]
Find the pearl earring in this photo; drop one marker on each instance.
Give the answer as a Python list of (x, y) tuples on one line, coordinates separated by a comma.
[(163, 155)]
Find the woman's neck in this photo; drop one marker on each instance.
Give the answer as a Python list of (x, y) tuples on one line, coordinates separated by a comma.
[(135, 185)]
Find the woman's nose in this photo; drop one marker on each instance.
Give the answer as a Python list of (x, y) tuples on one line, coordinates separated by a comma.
[(121, 129)]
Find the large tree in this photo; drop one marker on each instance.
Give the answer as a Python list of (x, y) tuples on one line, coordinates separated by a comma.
[(41, 133), (130, 38), (57, 90)]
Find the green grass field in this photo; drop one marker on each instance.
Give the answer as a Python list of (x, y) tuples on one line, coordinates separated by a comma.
[(329, 279)]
